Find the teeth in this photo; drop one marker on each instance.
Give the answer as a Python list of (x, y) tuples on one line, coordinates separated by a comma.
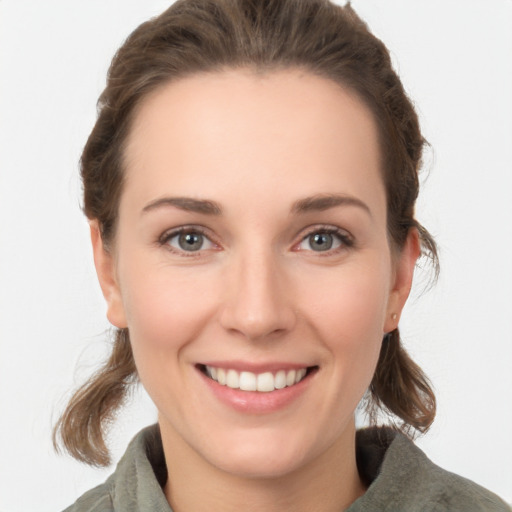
[(221, 376), (265, 382), (290, 378), (232, 379), (248, 381), (280, 379), (300, 375)]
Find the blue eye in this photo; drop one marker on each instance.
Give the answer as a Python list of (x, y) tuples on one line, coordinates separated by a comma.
[(324, 240), (188, 241)]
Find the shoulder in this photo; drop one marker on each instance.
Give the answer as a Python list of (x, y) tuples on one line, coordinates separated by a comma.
[(94, 500), (437, 489), (408, 481), (137, 482)]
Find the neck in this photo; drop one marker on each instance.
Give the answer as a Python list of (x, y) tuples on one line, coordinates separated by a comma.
[(329, 483)]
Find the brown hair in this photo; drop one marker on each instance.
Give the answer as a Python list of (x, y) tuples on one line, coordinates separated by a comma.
[(207, 35)]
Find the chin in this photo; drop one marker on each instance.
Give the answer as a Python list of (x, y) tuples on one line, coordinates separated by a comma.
[(263, 457), (262, 466)]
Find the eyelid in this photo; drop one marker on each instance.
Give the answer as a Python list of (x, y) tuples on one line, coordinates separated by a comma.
[(163, 239), (346, 239)]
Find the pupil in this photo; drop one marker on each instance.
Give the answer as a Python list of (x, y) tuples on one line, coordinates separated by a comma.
[(191, 241), (321, 241)]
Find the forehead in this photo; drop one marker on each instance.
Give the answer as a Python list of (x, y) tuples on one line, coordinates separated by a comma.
[(289, 129)]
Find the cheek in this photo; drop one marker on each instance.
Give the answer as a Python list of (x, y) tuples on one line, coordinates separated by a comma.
[(348, 315), (351, 303), (165, 311)]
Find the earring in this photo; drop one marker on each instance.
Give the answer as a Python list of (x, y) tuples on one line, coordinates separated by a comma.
[(394, 316)]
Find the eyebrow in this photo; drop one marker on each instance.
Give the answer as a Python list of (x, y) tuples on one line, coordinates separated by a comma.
[(323, 202), (185, 203), (318, 202)]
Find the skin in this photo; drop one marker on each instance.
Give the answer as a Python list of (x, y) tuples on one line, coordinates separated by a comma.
[(257, 292)]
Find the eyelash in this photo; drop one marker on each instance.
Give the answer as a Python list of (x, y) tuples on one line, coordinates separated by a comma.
[(166, 237), (345, 239)]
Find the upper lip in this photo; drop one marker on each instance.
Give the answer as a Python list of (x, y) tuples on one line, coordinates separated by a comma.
[(245, 366)]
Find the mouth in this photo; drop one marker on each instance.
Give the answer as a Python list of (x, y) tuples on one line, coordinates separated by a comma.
[(264, 382)]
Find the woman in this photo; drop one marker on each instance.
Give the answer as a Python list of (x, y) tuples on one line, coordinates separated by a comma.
[(250, 184)]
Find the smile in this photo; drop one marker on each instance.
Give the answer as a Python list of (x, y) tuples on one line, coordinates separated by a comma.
[(248, 381)]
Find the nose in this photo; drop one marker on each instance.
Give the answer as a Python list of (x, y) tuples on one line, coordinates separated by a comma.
[(258, 300)]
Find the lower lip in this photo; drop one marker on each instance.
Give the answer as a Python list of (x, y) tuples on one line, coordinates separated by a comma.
[(255, 402)]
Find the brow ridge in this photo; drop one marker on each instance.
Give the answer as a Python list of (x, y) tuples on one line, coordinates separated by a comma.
[(321, 202), (185, 203)]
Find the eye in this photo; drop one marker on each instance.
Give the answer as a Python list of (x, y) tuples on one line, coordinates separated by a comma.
[(324, 240), (187, 240)]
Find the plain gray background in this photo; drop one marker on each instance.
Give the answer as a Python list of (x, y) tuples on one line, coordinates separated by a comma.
[(455, 59)]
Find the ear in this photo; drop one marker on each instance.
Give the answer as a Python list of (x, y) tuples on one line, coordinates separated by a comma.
[(401, 285), (105, 269)]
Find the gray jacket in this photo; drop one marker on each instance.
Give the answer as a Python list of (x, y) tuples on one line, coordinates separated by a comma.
[(400, 477)]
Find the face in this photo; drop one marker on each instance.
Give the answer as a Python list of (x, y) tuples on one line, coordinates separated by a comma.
[(252, 266)]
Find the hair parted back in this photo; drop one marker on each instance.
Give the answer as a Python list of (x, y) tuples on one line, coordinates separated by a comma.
[(194, 36)]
